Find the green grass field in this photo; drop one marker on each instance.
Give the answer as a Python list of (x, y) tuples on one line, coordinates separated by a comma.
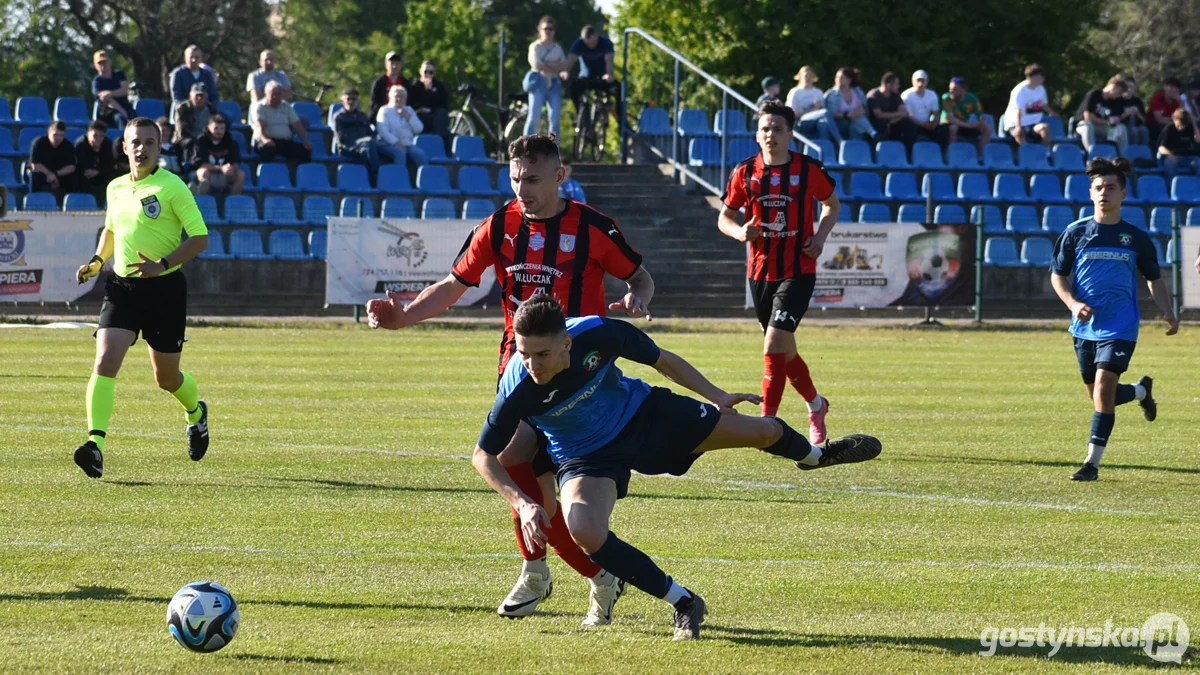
[(337, 504)]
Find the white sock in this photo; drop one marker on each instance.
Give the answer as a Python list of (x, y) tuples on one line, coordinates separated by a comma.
[(1139, 392), (813, 458), (604, 578), (1095, 452), (815, 404), (676, 592), (537, 567)]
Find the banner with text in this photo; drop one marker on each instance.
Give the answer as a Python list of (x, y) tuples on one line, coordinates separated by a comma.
[(1189, 238), (41, 252), (367, 256)]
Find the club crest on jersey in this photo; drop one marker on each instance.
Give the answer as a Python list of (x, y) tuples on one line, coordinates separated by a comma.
[(774, 180), (795, 181), (566, 243), (151, 207), (591, 361), (537, 241), (1125, 239)]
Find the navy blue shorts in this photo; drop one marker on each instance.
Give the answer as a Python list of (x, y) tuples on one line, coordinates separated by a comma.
[(660, 438), (1110, 355)]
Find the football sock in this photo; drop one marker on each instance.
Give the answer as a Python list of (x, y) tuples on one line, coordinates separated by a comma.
[(101, 391), (604, 578), (633, 566), (538, 566), (676, 593), (1130, 392), (815, 404), (188, 396), (1102, 426), (559, 538), (797, 374), (773, 383), (794, 446), (522, 475)]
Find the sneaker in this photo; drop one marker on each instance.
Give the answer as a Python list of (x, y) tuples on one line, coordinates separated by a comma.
[(848, 450), (1149, 407), (689, 614), (1086, 473), (604, 598), (531, 589), (89, 458), (198, 435), (816, 423)]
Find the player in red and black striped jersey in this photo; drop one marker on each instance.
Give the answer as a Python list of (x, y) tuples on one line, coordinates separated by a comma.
[(538, 243), (778, 190)]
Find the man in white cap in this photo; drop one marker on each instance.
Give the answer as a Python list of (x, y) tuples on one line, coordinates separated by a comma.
[(924, 106)]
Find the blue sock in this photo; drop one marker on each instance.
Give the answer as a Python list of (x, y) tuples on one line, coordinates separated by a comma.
[(630, 564), (1126, 393), (1102, 426)]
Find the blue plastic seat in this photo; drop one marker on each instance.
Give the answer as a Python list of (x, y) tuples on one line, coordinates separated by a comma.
[(286, 245), (274, 177), (79, 201), (278, 210), (318, 241), (891, 155), (654, 122), (470, 150), (353, 179), (839, 186), (310, 177), (949, 214), (398, 207), (26, 138), (33, 110), (310, 113), (693, 122), (1152, 190), (478, 209), (1055, 219), (1077, 189), (439, 208), (6, 118), (737, 123), (316, 209), (926, 155), (1037, 252), (993, 220), (874, 213), (7, 149), (393, 180), (40, 201), (961, 155), (1068, 158), (1135, 216), (504, 183), (1001, 252), (973, 187), (902, 186), (241, 210), (150, 107), (1023, 219), (1105, 150), (72, 110), (334, 109), (939, 186), (435, 148), (1161, 219), (1137, 151), (825, 152), (1046, 188), (247, 245), (216, 248), (350, 207), (1193, 216), (8, 175), (1058, 131), (1034, 157), (856, 155), (865, 185), (473, 181), (1086, 211), (208, 210), (1164, 259), (233, 113), (246, 149), (434, 180), (74, 134), (1186, 189), (740, 149), (911, 213), (998, 157), (704, 152), (1010, 187)]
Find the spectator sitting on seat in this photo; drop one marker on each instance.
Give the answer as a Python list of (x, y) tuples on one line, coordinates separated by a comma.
[(1028, 105), (812, 120), (1099, 117), (1191, 102), (570, 188), (1134, 114), (1163, 105), (887, 112), (53, 161), (94, 161), (595, 54), (962, 115), (191, 73), (353, 136), (398, 126), (393, 63), (191, 116), (770, 87), (848, 106), (546, 60), (216, 160), (170, 156), (923, 107), (1179, 145), (431, 100), (111, 89), (274, 121), (256, 82)]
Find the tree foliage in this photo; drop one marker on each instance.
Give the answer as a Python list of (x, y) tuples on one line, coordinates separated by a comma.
[(40, 53), (1151, 40)]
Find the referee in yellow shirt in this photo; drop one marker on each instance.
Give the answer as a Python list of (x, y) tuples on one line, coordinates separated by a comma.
[(147, 211)]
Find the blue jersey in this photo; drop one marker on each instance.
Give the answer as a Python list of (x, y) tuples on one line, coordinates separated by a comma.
[(1104, 261), (584, 407)]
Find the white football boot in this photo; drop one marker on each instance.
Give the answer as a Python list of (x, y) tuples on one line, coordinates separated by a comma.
[(531, 589), (606, 590)]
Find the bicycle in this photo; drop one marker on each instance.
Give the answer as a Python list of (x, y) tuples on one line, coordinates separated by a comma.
[(591, 125), (470, 118)]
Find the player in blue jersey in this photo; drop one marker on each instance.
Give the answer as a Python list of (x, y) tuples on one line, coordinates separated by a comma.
[(601, 425), (1095, 273)]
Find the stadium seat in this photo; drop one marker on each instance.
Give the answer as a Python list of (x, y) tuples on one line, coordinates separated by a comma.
[(1164, 260), (72, 110), (33, 111), (473, 181), (1068, 158), (825, 152), (1152, 190), (434, 180), (845, 214), (317, 243), (350, 207), (1193, 216), (911, 213), (393, 180), (208, 209), (993, 220), (865, 185), (353, 179), (233, 112), (855, 155), (902, 186), (1000, 252), (334, 108), (839, 186), (961, 155), (6, 118), (737, 123), (1137, 151), (654, 122), (1186, 189), (1057, 131), (310, 177), (241, 210), (1034, 157), (1055, 219), (891, 155), (438, 207), (7, 149), (316, 209), (1046, 188), (1086, 211), (278, 210), (246, 150), (249, 185), (1162, 219), (435, 148), (1077, 190), (939, 186), (973, 187), (8, 175), (693, 122), (74, 134), (79, 201), (1023, 219), (274, 177), (216, 248), (1105, 150), (1134, 215), (874, 213), (998, 157), (286, 245), (398, 207), (1037, 252), (926, 155), (1010, 187), (320, 153), (40, 201), (949, 214), (470, 150), (26, 138), (504, 183), (704, 152), (150, 107), (478, 209), (247, 245), (311, 114), (740, 149)]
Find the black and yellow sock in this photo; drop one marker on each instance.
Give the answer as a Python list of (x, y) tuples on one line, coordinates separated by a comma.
[(101, 392), (188, 395)]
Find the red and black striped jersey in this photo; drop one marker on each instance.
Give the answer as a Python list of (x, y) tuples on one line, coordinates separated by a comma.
[(566, 256), (782, 197)]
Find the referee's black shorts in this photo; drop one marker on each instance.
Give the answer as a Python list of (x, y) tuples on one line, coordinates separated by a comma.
[(781, 304), (155, 307)]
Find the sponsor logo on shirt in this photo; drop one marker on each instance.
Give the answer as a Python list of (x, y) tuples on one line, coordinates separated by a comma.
[(533, 273), (1106, 255), (583, 396)]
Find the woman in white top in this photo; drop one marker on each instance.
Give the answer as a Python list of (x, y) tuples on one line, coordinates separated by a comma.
[(398, 126), (809, 103), (546, 60)]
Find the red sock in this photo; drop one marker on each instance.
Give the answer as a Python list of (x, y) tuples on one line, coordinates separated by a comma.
[(522, 475), (773, 383), (797, 374), (567, 549)]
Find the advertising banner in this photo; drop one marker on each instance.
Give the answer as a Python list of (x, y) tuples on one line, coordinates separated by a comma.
[(1189, 238), (40, 253)]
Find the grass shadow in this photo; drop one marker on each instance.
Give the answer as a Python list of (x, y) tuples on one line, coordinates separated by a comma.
[(1037, 462), (348, 485), (281, 659)]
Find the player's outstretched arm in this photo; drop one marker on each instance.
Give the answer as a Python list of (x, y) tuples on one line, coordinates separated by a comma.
[(1062, 287), (1158, 291), (104, 251), (636, 302), (534, 520), (391, 313), (679, 371)]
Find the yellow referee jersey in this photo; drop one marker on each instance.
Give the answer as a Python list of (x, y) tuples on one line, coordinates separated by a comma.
[(148, 216)]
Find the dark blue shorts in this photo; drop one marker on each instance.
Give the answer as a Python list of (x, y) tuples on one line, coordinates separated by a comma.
[(1110, 355), (660, 438)]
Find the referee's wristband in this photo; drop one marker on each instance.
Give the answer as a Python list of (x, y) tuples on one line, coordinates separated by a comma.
[(163, 261), (96, 259)]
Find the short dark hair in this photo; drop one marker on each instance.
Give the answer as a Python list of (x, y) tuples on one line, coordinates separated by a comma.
[(1032, 70), (534, 147), (887, 78), (780, 108), (539, 316), (587, 31), (98, 125), (145, 122), (218, 117), (1102, 166), (1173, 82), (547, 19), (57, 124)]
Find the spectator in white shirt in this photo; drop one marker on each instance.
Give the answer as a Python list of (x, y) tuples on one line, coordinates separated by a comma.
[(812, 119), (398, 126), (1028, 105), (924, 106)]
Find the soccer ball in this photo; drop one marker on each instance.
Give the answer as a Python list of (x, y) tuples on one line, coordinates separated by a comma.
[(203, 616)]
